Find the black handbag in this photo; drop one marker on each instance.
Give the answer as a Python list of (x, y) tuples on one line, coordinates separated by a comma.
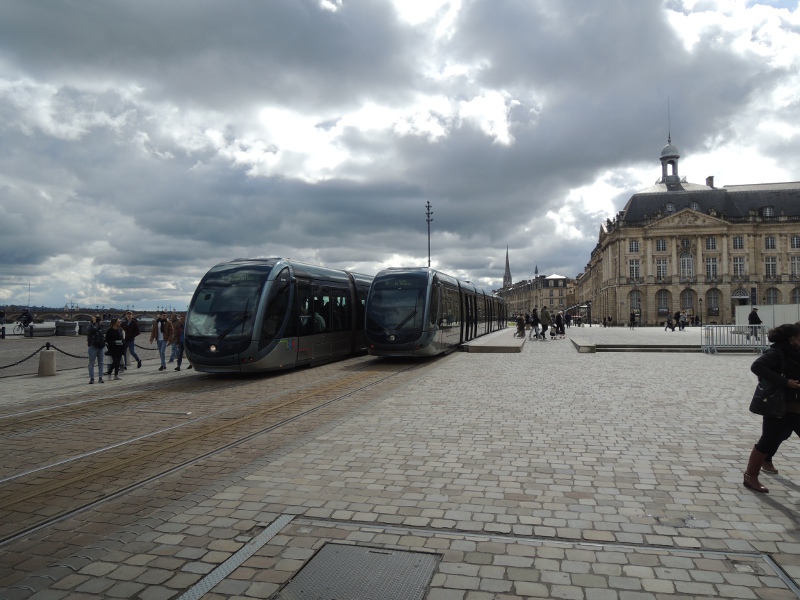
[(768, 399)]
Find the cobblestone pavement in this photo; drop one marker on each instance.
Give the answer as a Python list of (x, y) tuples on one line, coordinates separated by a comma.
[(542, 474)]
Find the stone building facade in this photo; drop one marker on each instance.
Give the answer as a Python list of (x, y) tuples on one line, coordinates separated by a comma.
[(554, 291), (698, 248)]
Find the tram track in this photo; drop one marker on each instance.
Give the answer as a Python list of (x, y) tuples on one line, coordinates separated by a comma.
[(38, 499), (52, 416)]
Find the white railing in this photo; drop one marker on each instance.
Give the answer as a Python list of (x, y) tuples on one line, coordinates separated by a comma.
[(751, 338)]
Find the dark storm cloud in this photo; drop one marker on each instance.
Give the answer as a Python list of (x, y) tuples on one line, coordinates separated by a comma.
[(219, 55), (133, 146)]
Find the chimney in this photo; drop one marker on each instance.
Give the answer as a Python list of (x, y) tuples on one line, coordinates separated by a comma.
[(710, 181)]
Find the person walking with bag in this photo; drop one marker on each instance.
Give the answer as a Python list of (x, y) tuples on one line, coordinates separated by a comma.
[(534, 334), (778, 367), (115, 342)]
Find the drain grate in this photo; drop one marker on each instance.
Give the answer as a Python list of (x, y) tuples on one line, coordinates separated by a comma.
[(339, 571)]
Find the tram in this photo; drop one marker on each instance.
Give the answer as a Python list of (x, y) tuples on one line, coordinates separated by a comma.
[(269, 314), (424, 312)]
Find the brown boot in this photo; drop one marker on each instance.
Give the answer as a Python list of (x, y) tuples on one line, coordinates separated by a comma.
[(753, 469), (768, 467)]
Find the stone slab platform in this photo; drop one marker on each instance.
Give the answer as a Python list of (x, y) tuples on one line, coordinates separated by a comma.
[(498, 342)]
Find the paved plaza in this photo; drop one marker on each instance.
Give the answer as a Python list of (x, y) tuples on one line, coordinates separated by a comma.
[(540, 474)]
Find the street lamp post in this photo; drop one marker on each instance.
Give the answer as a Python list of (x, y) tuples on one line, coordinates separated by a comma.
[(589, 311), (700, 300), (428, 213)]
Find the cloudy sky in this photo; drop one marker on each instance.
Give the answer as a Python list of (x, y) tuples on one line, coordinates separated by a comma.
[(143, 142)]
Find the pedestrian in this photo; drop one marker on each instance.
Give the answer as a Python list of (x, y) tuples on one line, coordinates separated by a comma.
[(568, 320), (609, 321), (779, 366), (520, 326), (96, 343), (560, 324), (545, 320), (2, 316), (633, 319), (534, 334), (173, 319), (754, 321), (131, 328), (26, 318), (161, 334), (115, 343), (177, 334), (683, 320)]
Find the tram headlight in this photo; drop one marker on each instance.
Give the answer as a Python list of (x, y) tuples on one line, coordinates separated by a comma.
[(213, 348), (391, 338)]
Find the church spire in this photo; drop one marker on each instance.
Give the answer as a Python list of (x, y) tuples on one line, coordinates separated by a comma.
[(507, 274)]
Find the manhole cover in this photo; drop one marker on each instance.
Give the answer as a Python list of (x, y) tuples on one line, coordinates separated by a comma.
[(339, 572)]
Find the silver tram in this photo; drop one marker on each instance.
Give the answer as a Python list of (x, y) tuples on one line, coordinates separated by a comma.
[(423, 312), (269, 314)]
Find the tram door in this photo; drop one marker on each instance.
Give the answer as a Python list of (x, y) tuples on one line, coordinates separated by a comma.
[(466, 321), (305, 317), (322, 348)]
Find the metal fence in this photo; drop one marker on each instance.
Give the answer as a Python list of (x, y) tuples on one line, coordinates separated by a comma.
[(734, 338)]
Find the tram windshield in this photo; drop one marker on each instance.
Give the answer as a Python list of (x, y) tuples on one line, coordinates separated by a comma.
[(397, 302), (225, 303)]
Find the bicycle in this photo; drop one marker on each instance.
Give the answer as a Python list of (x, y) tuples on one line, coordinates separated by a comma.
[(19, 328)]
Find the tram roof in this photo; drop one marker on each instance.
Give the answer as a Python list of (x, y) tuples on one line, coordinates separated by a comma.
[(301, 269)]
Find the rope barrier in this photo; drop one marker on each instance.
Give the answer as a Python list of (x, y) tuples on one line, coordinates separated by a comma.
[(49, 346), (27, 357)]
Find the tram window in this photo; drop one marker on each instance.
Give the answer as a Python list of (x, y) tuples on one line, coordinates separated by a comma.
[(362, 309), (340, 311), (434, 308), (322, 312), (306, 310), (277, 305)]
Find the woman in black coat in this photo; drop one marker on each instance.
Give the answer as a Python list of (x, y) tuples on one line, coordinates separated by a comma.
[(780, 366), (115, 342)]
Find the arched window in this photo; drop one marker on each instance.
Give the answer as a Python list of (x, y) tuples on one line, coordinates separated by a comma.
[(712, 298), (796, 295), (773, 296), (712, 302), (687, 265), (635, 300), (663, 301), (687, 300)]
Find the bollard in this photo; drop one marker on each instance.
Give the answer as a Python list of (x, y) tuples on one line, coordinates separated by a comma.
[(3, 332), (47, 362)]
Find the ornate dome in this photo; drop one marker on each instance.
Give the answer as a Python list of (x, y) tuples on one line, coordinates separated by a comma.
[(670, 151)]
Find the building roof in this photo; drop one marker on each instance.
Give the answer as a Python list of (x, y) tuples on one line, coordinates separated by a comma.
[(671, 195)]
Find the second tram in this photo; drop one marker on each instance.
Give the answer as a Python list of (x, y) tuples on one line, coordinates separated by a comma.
[(424, 312), (270, 314)]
